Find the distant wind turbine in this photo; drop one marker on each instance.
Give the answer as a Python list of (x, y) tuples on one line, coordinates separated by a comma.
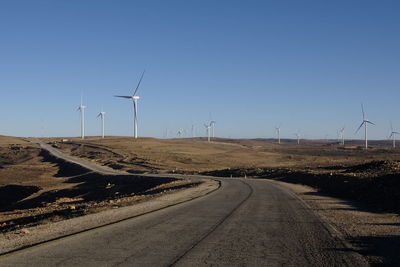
[(135, 99), (82, 111), (365, 123), (342, 135), (193, 130), (278, 132), (298, 137), (393, 134), (208, 129), (212, 124), (179, 133), (101, 115)]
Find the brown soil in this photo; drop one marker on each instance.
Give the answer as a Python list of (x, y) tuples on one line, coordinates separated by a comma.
[(351, 172), (35, 187), (368, 179), (196, 155)]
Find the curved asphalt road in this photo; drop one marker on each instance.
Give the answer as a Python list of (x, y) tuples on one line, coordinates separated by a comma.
[(245, 223)]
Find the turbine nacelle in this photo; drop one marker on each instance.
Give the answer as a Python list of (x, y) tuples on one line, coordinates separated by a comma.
[(81, 107)]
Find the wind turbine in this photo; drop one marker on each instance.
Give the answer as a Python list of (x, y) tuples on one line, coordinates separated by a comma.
[(393, 134), (278, 131), (101, 115), (342, 135), (212, 124), (298, 137), (193, 130), (179, 133), (135, 99), (208, 129), (364, 122), (82, 111)]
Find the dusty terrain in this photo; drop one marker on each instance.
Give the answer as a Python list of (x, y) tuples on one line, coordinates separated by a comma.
[(368, 176), (196, 155), (367, 181), (37, 188)]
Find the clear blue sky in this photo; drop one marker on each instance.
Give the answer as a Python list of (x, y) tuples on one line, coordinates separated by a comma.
[(306, 65)]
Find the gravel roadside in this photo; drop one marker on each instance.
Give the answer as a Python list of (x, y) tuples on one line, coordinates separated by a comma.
[(374, 235), (26, 237)]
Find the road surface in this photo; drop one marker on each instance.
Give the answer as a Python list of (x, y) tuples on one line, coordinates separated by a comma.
[(247, 222)]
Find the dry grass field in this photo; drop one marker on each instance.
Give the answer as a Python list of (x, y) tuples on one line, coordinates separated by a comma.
[(368, 176), (36, 187), (196, 155)]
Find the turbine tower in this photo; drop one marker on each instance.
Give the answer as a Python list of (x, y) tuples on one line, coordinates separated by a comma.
[(298, 137), (342, 136), (208, 129), (135, 99), (193, 131), (393, 134), (179, 133), (212, 125), (101, 115), (365, 123), (82, 111), (278, 132)]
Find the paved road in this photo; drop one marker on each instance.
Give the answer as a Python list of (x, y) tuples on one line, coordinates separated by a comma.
[(245, 223)]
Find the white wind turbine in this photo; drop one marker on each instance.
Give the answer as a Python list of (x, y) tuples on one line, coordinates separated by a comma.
[(135, 99), (278, 132), (364, 122), (166, 133), (212, 124), (393, 134), (193, 130), (298, 137), (208, 129), (82, 111), (342, 135), (179, 133), (102, 115)]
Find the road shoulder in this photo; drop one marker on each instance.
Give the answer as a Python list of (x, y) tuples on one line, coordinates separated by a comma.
[(374, 235), (26, 237)]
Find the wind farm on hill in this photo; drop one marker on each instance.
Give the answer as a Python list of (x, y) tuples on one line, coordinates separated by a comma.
[(210, 126), (199, 133)]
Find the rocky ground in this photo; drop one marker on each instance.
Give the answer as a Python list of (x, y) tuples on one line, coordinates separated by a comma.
[(36, 188), (355, 190)]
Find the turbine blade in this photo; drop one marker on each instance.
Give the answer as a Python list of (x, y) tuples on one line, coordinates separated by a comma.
[(137, 87), (360, 126), (370, 122), (123, 96), (362, 109), (391, 126)]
